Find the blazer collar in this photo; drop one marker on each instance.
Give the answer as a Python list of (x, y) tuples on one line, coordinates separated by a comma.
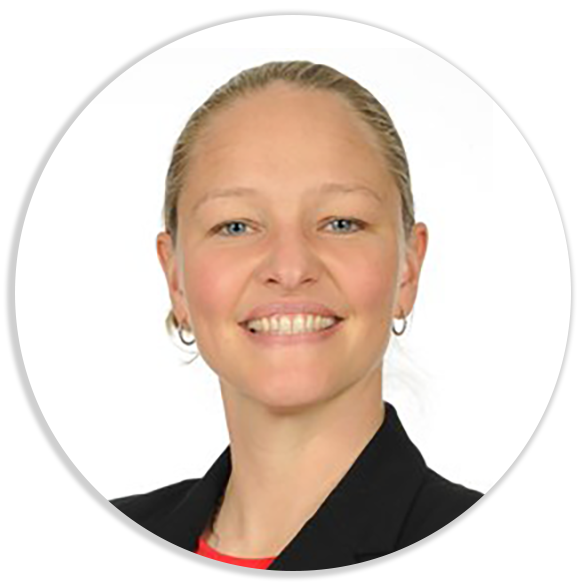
[(361, 518)]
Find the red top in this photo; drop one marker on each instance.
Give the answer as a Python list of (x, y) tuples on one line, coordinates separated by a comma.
[(205, 550)]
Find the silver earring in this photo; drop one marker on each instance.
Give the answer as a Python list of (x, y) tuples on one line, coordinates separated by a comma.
[(180, 334), (404, 327)]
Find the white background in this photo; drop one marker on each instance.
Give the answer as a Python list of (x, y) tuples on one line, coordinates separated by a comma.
[(474, 372)]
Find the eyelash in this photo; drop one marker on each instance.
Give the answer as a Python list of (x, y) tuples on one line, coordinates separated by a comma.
[(216, 230)]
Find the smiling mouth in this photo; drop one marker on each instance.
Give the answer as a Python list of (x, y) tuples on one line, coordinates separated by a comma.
[(289, 332)]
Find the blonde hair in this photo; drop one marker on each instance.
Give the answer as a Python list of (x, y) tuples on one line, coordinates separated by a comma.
[(301, 74)]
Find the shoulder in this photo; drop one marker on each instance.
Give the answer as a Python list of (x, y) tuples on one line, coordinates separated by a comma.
[(151, 506), (441, 499), (438, 503)]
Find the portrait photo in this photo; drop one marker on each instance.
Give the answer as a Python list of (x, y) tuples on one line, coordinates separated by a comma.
[(283, 303)]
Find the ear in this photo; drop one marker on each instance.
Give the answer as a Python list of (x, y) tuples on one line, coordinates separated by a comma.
[(412, 263), (169, 262)]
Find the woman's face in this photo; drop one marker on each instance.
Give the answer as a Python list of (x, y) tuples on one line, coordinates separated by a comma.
[(295, 168)]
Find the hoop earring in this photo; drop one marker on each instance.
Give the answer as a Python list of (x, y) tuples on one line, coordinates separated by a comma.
[(402, 330), (180, 334)]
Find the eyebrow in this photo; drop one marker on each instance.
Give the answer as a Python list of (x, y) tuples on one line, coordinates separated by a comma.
[(330, 188)]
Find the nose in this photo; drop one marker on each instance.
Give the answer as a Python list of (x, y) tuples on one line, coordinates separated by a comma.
[(291, 261)]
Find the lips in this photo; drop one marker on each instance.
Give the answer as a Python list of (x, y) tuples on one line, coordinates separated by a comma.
[(278, 341), (244, 326), (281, 308)]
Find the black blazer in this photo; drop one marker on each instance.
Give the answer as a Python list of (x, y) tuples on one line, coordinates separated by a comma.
[(387, 500)]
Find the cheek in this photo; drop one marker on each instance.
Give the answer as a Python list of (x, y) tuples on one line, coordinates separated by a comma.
[(210, 286), (371, 280)]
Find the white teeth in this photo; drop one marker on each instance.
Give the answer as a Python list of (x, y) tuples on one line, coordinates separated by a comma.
[(288, 325)]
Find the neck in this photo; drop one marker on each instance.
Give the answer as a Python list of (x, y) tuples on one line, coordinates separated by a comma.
[(284, 466)]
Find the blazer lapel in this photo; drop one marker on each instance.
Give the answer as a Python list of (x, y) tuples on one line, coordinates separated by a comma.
[(361, 519)]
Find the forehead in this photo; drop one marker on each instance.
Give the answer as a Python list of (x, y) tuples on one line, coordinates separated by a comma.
[(287, 105), (289, 136)]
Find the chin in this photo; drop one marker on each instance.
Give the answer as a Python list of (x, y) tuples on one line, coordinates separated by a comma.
[(290, 399)]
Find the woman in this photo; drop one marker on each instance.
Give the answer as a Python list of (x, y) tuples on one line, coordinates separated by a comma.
[(290, 248)]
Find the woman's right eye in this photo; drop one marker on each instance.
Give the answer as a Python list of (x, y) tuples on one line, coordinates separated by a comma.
[(220, 227)]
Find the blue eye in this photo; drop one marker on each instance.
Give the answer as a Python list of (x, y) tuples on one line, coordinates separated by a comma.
[(219, 229), (347, 221)]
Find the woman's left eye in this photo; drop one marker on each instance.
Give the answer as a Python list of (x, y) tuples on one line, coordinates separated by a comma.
[(360, 225)]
